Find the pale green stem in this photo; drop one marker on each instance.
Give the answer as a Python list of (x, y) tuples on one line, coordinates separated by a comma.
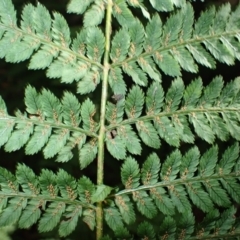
[(100, 163)]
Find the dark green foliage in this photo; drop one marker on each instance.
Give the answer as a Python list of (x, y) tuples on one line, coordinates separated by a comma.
[(129, 48)]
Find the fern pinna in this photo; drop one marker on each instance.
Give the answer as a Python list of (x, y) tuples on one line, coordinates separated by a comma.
[(131, 58)]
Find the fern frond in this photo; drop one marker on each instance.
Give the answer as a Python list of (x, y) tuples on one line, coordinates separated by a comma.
[(185, 226), (177, 181), (47, 42), (51, 125), (212, 111), (48, 200), (179, 43)]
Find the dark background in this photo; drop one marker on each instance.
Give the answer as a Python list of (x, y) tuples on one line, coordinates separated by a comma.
[(15, 77)]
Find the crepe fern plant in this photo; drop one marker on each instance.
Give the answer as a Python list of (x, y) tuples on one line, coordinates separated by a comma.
[(130, 49)]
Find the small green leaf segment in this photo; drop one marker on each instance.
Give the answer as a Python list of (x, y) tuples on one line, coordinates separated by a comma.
[(129, 57)]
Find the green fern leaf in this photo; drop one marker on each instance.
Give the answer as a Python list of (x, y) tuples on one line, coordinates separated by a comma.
[(188, 20), (71, 109), (148, 134), (27, 18), (185, 60), (217, 194), (150, 169), (179, 198), (38, 140), (232, 187), (172, 28), (71, 215), (148, 66), (51, 216), (21, 51), (134, 102), (167, 64), (6, 128), (186, 225), (88, 153), (199, 197), (89, 218), (228, 159), (153, 34), (32, 101), (67, 185), (166, 130), (12, 213), (56, 143), (87, 112), (120, 45), (174, 95), (95, 14), (101, 193), (129, 137), (30, 215), (8, 13), (201, 56), (19, 137), (122, 233), (79, 43), (170, 167), (78, 6), (122, 13), (202, 26), (113, 218), (42, 21), (48, 184), (202, 128), (233, 21), (126, 208), (116, 81), (114, 112), (145, 204), (89, 82), (212, 91), (61, 31), (192, 93), (168, 228), (85, 189), (130, 173), (116, 146), (162, 201), (95, 43), (8, 182), (146, 230), (189, 163), (227, 219), (136, 33), (27, 179), (51, 106), (137, 75), (221, 18), (208, 161), (208, 223)]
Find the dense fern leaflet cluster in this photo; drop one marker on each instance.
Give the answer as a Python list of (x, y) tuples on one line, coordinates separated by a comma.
[(58, 200), (145, 114), (51, 125), (137, 51), (59, 196), (212, 111)]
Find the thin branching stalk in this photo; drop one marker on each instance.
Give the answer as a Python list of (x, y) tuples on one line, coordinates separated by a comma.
[(100, 164)]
